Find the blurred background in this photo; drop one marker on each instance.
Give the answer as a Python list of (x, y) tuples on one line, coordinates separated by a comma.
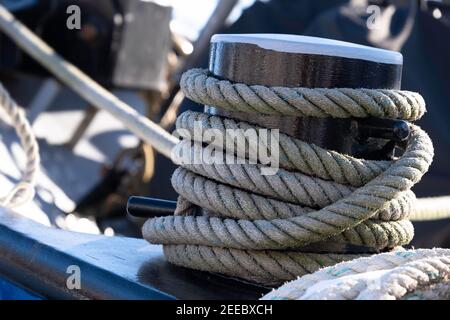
[(138, 50)]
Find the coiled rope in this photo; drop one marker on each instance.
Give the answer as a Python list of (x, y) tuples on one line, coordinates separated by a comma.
[(274, 228), (23, 191)]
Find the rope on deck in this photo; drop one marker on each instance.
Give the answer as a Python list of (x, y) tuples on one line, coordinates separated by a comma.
[(274, 228)]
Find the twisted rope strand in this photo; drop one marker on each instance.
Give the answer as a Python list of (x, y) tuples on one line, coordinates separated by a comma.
[(274, 228)]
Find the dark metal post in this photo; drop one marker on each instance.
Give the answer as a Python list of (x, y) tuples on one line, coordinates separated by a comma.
[(297, 61)]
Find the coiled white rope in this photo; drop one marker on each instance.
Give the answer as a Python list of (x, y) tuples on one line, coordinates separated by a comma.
[(23, 191)]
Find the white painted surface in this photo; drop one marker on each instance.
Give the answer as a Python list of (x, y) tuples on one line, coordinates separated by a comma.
[(313, 45)]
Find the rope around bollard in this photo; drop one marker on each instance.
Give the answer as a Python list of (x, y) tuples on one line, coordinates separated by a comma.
[(272, 229)]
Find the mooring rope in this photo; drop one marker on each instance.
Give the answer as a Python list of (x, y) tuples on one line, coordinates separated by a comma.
[(274, 228), (23, 191)]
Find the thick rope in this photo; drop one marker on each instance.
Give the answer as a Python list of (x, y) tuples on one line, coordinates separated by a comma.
[(291, 101), (200, 87), (432, 209), (23, 191), (273, 228)]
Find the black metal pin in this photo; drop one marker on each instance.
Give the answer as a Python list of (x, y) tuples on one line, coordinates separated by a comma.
[(389, 129), (143, 207)]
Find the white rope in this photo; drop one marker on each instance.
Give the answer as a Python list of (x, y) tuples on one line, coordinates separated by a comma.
[(23, 191)]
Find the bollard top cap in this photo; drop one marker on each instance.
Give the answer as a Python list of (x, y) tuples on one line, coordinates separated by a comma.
[(313, 45)]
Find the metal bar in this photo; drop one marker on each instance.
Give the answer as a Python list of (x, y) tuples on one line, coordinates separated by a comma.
[(43, 99), (150, 207)]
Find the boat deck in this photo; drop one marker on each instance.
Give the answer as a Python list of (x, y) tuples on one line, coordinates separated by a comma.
[(37, 258)]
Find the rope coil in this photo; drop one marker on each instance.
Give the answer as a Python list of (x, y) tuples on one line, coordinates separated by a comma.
[(23, 191), (271, 229)]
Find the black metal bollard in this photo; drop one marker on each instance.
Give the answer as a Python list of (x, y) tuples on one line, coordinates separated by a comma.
[(298, 61)]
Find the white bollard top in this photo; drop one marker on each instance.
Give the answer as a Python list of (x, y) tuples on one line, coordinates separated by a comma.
[(313, 45)]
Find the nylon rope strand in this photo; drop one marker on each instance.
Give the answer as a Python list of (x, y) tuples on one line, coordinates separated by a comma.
[(274, 228)]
